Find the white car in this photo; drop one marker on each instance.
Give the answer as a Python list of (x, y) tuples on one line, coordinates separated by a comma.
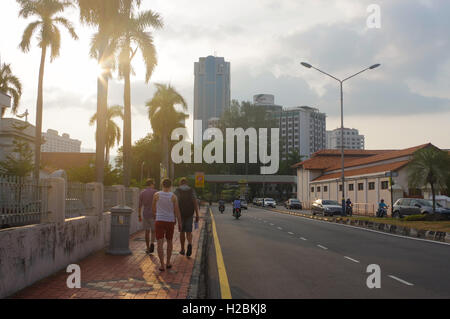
[(269, 202)]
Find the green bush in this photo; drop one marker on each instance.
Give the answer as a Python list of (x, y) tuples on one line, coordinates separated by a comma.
[(415, 218)]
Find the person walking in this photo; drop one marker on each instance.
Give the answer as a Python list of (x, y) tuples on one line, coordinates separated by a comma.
[(146, 202), (166, 213), (188, 203)]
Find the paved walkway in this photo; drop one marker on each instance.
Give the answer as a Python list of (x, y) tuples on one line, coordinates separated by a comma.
[(123, 277)]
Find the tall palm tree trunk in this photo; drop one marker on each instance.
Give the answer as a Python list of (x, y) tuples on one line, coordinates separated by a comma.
[(127, 129), (102, 97), (165, 145), (39, 107), (433, 194)]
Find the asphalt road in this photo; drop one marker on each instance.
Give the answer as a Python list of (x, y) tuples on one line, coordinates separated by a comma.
[(268, 255)]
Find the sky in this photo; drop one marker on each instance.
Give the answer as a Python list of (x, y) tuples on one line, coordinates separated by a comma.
[(403, 103)]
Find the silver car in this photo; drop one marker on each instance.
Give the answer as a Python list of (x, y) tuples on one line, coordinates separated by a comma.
[(415, 206)]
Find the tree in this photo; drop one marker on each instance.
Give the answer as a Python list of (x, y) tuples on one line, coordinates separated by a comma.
[(104, 15), (113, 133), (11, 85), (429, 166), (19, 162), (49, 37), (134, 37), (162, 115)]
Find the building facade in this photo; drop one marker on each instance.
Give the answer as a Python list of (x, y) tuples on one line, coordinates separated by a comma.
[(5, 102), (54, 143), (212, 89), (352, 139), (11, 130), (302, 129), (366, 181), (267, 101)]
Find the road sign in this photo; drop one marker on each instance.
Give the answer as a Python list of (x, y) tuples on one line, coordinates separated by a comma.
[(391, 174), (200, 180)]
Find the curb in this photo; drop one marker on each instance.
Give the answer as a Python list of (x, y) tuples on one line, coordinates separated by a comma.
[(197, 273), (387, 228)]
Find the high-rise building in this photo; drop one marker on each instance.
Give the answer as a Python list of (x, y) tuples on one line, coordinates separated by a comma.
[(54, 143), (352, 139), (212, 94), (302, 129)]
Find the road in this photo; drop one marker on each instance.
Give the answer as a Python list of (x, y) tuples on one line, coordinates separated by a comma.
[(268, 255)]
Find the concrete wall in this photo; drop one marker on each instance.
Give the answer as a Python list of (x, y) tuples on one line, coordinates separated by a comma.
[(29, 254)]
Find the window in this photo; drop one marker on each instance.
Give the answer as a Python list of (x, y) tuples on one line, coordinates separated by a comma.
[(351, 187), (384, 185), (360, 186), (340, 188), (318, 189), (312, 189), (371, 186), (325, 189)]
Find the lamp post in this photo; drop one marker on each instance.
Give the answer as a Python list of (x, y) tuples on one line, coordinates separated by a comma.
[(341, 82)]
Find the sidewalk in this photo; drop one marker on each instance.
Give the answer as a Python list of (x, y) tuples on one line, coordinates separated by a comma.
[(123, 277)]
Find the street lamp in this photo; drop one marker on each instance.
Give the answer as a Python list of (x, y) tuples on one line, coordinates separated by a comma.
[(309, 66)]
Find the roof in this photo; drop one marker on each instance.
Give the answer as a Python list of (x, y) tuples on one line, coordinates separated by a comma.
[(387, 155), (364, 171), (66, 160), (328, 158)]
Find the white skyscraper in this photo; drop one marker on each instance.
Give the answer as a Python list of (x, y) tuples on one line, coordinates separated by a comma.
[(352, 139), (54, 143)]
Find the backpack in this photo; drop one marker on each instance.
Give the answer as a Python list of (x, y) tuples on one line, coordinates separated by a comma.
[(185, 202)]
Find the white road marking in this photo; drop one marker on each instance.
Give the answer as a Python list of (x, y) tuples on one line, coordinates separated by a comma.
[(354, 260), (303, 238), (290, 233), (401, 280), (272, 225), (323, 247), (280, 228)]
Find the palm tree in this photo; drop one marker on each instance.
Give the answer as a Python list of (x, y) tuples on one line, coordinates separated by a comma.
[(429, 166), (10, 84), (162, 114), (113, 133), (134, 37), (49, 36), (105, 16)]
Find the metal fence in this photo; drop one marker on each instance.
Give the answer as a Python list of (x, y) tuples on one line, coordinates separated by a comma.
[(78, 200), (365, 209), (109, 198), (23, 201)]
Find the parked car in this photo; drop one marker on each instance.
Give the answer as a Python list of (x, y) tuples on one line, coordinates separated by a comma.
[(259, 202), (255, 201), (269, 202), (293, 204), (413, 206), (244, 204), (326, 207)]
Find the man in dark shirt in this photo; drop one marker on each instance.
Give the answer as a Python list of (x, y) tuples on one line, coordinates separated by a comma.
[(188, 204), (145, 201)]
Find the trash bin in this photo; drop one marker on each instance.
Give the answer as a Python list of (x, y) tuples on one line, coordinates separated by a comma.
[(120, 231)]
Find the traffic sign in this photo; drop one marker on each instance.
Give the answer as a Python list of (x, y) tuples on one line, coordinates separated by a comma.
[(200, 180)]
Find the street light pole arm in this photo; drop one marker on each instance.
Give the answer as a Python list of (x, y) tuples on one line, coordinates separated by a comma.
[(331, 76), (355, 74)]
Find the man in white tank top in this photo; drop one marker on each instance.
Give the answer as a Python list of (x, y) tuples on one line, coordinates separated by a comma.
[(166, 213)]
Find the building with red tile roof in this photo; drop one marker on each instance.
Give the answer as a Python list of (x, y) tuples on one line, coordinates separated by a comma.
[(320, 177)]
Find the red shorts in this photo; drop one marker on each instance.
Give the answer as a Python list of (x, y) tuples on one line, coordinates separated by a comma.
[(164, 230)]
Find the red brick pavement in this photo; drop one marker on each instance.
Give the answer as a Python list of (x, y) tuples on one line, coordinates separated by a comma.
[(122, 277)]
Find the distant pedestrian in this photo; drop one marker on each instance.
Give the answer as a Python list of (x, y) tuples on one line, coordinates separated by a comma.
[(187, 200), (166, 212), (146, 202)]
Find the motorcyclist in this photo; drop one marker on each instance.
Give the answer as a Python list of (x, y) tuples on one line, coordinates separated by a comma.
[(349, 205), (236, 205), (382, 208), (221, 205)]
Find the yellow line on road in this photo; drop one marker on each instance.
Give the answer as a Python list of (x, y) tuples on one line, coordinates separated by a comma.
[(223, 278)]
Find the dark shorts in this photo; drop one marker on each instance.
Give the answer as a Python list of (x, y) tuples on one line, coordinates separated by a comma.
[(164, 230), (186, 224)]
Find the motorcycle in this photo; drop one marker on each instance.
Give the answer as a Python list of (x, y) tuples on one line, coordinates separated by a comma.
[(382, 212), (350, 210), (221, 209), (237, 213)]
